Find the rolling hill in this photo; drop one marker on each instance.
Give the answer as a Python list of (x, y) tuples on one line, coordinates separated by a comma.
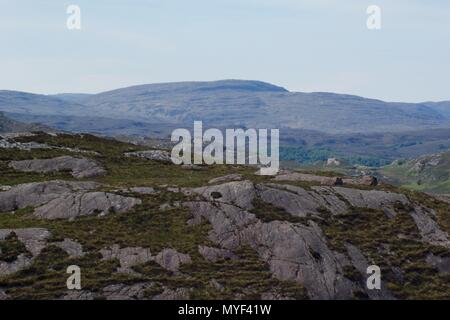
[(235, 103)]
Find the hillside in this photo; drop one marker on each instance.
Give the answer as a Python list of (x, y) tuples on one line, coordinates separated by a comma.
[(426, 173), (140, 227), (8, 125), (234, 103)]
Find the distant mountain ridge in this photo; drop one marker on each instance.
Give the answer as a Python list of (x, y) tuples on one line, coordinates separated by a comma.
[(234, 103), (9, 126)]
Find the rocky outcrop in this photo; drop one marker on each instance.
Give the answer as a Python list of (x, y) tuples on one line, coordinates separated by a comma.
[(71, 247), (143, 190), (34, 240), (238, 193), (79, 167), (360, 263), (126, 292), (128, 257), (442, 264), (39, 193), (158, 155), (78, 295), (296, 176), (215, 254), (323, 180), (293, 251), (227, 178), (171, 259), (428, 228), (364, 181), (173, 294), (62, 199), (70, 206)]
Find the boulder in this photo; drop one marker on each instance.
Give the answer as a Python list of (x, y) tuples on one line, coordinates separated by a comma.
[(79, 167)]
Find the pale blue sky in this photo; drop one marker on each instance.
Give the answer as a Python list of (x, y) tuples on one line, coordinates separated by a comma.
[(315, 45)]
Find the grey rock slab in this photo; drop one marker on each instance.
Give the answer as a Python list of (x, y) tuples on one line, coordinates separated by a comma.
[(238, 193), (428, 228), (126, 292), (171, 259), (297, 176), (39, 193), (80, 167), (215, 254), (72, 205), (143, 190), (440, 263), (227, 178), (34, 239), (373, 199), (360, 263), (73, 248), (293, 251), (173, 294), (78, 295), (128, 257)]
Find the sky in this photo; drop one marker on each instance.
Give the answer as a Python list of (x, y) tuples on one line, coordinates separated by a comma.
[(314, 45)]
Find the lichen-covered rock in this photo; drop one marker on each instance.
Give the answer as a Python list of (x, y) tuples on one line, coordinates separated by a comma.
[(72, 205), (80, 167), (171, 259)]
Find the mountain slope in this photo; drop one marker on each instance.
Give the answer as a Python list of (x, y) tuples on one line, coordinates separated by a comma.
[(426, 173), (236, 103), (8, 125)]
